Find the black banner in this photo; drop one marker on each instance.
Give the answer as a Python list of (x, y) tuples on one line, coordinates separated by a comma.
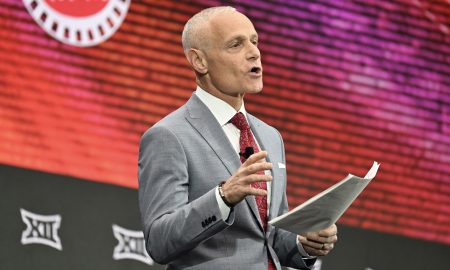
[(57, 222)]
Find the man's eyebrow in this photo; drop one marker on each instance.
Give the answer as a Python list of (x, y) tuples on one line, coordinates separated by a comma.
[(241, 37), (237, 37)]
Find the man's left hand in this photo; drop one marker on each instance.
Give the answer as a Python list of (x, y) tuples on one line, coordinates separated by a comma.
[(319, 243)]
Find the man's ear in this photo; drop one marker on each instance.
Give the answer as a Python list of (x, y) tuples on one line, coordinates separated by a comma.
[(197, 60)]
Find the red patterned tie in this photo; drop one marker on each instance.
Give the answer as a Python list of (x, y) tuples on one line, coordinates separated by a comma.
[(246, 140)]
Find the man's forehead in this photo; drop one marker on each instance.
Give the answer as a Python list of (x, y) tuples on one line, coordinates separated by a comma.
[(231, 23)]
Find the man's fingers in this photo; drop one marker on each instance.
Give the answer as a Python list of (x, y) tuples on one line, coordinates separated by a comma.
[(255, 158), (256, 191), (257, 167), (320, 239), (328, 247), (310, 243), (328, 235), (330, 231), (314, 248), (249, 179), (239, 186), (319, 243)]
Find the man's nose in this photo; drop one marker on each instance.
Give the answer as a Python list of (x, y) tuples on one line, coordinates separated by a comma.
[(253, 52)]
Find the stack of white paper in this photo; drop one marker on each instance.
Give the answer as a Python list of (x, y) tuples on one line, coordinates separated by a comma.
[(324, 209)]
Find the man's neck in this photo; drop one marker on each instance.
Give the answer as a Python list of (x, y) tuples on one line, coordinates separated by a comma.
[(233, 101)]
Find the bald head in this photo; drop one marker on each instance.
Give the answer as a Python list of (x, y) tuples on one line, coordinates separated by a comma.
[(221, 45), (195, 32)]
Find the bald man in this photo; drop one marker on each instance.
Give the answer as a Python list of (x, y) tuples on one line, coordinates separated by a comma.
[(209, 174)]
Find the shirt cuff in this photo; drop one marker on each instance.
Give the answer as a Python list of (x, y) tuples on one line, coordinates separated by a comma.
[(302, 251), (224, 209)]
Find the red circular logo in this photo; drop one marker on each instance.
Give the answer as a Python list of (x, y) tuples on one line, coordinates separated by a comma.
[(79, 22), (78, 8)]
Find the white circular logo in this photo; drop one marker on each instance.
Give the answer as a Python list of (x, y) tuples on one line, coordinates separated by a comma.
[(80, 23)]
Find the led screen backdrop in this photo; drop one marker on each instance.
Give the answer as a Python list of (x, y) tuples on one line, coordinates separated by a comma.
[(346, 83)]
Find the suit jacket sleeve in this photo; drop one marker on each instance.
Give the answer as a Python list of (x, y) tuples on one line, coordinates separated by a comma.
[(172, 223), (285, 242), (285, 245)]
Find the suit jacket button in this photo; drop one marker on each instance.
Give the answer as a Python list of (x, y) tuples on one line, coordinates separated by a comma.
[(209, 220), (203, 224), (213, 218)]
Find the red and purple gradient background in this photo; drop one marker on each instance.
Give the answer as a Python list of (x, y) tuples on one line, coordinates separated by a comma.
[(346, 83)]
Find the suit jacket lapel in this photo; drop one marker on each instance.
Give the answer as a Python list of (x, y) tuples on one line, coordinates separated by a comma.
[(266, 144), (207, 126)]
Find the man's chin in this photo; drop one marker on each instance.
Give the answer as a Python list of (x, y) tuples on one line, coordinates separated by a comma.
[(254, 90), (254, 87)]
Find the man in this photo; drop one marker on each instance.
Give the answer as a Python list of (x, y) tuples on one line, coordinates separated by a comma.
[(204, 198)]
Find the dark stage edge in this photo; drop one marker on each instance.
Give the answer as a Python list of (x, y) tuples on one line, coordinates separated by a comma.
[(89, 209)]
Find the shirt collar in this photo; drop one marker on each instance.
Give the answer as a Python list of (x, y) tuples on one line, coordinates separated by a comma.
[(221, 110)]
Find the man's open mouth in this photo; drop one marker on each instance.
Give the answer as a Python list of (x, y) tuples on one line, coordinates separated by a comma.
[(256, 70)]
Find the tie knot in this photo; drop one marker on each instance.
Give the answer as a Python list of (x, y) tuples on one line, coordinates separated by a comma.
[(240, 122)]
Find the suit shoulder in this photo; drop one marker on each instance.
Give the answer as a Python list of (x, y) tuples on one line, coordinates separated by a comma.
[(169, 123)]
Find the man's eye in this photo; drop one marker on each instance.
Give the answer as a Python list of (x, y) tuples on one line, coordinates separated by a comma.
[(234, 45)]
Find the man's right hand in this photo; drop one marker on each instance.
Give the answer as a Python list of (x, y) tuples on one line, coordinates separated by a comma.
[(238, 186)]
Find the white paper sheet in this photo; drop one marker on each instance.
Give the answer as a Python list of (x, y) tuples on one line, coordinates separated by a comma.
[(324, 209)]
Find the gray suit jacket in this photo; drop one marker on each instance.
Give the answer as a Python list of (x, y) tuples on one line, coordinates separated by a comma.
[(182, 159)]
